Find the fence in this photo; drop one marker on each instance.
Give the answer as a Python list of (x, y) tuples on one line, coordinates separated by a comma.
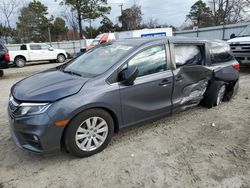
[(70, 46), (217, 32)]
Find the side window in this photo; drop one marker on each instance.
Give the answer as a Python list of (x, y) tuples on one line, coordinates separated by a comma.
[(44, 47), (35, 47), (150, 61), (188, 55), (23, 47), (220, 52)]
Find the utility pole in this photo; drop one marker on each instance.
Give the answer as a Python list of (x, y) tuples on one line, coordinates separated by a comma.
[(49, 36), (121, 5)]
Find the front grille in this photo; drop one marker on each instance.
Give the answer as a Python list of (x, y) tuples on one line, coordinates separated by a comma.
[(240, 48)]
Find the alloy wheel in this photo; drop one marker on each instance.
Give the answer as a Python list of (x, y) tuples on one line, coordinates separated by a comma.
[(91, 133)]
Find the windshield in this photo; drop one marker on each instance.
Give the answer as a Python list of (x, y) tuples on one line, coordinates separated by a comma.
[(98, 60), (245, 32)]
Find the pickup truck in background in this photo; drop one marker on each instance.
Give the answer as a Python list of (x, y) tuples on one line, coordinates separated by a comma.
[(4, 58), (36, 52), (240, 46)]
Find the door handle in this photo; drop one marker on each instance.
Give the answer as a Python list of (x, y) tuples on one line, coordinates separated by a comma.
[(179, 78), (164, 83)]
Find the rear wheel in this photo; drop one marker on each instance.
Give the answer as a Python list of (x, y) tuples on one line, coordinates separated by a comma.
[(61, 58), (20, 62), (89, 132), (214, 94), (1, 73)]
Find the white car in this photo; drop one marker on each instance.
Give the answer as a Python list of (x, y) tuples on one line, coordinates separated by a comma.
[(36, 52)]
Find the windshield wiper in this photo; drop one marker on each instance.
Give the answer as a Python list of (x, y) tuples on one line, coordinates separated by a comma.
[(72, 73)]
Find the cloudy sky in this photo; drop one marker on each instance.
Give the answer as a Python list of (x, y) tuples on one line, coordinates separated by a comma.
[(165, 11)]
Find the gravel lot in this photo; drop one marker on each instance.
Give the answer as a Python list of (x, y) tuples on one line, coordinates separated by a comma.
[(183, 150)]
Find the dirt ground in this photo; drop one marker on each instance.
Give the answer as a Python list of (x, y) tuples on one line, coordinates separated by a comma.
[(183, 150)]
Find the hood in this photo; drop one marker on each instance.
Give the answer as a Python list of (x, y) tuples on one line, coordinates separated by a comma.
[(239, 39), (47, 86)]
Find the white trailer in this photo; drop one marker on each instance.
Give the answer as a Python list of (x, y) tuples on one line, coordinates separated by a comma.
[(157, 32)]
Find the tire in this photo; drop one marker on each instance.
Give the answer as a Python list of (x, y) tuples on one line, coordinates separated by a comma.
[(20, 62), (82, 138), (214, 94), (1, 73), (61, 58)]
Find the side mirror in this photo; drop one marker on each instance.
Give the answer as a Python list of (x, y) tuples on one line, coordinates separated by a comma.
[(232, 36), (128, 75), (51, 48)]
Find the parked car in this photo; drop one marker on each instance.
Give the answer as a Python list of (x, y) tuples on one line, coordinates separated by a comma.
[(4, 59), (102, 38), (36, 52), (240, 46), (81, 104)]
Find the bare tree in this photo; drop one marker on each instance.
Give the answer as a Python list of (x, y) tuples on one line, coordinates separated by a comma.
[(71, 19), (8, 7), (228, 11)]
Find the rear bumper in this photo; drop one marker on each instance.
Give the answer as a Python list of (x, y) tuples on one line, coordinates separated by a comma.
[(4, 64)]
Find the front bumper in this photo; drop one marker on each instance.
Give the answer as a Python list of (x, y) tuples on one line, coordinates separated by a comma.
[(36, 133)]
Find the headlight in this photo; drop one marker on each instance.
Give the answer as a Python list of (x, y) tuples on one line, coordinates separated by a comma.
[(31, 108)]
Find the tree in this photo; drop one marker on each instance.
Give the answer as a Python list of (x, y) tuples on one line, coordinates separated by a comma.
[(131, 18), (71, 19), (77, 6), (59, 29), (106, 25), (200, 14), (228, 11), (6, 33), (94, 9), (87, 10), (7, 7), (32, 24)]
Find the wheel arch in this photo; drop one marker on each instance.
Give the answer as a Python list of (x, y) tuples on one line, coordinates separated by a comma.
[(61, 53), (20, 56)]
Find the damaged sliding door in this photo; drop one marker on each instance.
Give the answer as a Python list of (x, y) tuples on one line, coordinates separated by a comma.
[(191, 75)]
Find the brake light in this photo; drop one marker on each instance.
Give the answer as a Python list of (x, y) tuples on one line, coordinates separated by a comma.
[(236, 66), (7, 56)]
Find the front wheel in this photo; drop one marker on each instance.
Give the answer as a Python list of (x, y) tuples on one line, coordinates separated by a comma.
[(1, 73), (61, 58), (89, 132)]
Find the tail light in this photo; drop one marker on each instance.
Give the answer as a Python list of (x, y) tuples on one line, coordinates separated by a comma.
[(236, 66), (7, 56)]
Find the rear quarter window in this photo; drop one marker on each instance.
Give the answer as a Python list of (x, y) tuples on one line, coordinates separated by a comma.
[(23, 47), (188, 55), (220, 52)]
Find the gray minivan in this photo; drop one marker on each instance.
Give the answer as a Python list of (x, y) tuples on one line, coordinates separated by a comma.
[(79, 105)]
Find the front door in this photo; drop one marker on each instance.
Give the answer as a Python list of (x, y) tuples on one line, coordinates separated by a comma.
[(35, 52), (150, 96)]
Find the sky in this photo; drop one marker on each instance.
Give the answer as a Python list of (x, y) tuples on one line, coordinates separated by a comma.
[(172, 12), (165, 11)]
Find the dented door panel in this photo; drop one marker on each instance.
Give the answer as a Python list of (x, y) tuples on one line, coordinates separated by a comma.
[(190, 83)]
